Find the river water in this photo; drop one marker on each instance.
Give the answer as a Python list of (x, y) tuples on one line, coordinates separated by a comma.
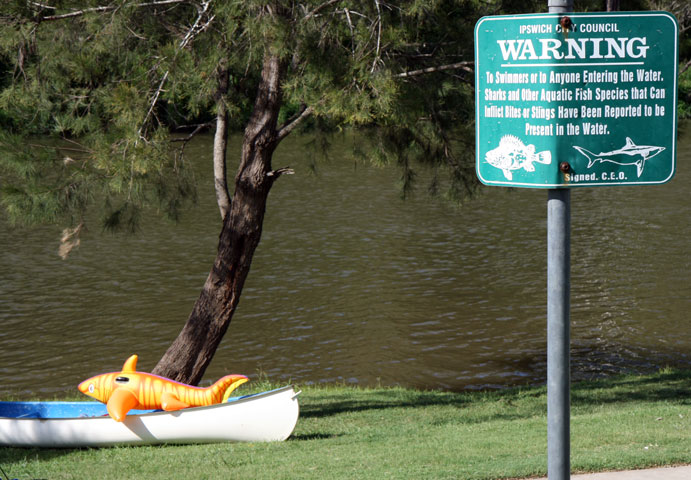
[(351, 284)]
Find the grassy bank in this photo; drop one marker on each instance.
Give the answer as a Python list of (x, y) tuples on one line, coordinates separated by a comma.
[(343, 432)]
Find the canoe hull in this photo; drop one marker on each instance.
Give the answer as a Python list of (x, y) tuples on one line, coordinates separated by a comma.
[(264, 417)]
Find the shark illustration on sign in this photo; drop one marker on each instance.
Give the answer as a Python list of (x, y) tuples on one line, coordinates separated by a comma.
[(629, 154), (513, 154)]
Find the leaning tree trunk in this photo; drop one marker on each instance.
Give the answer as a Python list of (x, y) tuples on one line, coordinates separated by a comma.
[(191, 352)]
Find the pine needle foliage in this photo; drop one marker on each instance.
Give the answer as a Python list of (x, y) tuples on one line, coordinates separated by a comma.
[(112, 82)]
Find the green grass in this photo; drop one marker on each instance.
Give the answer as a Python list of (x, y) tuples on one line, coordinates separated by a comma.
[(620, 423)]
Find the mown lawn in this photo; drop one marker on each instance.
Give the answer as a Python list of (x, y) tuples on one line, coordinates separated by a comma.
[(350, 433)]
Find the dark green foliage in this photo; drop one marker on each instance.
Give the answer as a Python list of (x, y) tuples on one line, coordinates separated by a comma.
[(88, 81), (113, 83)]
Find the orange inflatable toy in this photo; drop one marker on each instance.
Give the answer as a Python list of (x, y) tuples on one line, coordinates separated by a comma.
[(129, 389)]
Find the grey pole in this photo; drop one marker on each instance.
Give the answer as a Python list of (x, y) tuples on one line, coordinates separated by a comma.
[(558, 321), (558, 334)]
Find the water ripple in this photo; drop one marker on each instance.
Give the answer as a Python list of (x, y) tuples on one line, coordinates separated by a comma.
[(351, 284)]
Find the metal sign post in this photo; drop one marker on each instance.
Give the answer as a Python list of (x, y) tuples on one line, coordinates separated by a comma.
[(558, 320), (558, 333), (573, 100)]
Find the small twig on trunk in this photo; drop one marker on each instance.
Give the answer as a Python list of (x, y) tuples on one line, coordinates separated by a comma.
[(279, 172)]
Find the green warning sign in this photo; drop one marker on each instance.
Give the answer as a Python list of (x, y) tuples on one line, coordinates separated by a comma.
[(576, 100)]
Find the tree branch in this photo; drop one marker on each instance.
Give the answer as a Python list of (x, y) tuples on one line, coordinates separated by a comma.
[(197, 128), (194, 30), (685, 68), (104, 8), (154, 100), (452, 66), (42, 6), (221, 141), (376, 56), (77, 13), (318, 8), (292, 123)]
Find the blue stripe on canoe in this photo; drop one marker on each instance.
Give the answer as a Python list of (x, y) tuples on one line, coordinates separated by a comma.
[(55, 409), (69, 409)]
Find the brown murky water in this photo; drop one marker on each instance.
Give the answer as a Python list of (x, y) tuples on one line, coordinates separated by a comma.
[(351, 284)]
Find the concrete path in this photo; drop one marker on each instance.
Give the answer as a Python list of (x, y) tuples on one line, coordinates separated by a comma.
[(666, 473)]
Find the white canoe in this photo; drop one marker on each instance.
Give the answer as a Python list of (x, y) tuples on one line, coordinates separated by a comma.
[(263, 417)]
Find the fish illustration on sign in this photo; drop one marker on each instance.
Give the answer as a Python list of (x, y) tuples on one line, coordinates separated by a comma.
[(513, 154), (629, 154)]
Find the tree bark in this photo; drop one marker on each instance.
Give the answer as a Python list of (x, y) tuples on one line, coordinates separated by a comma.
[(189, 355), (221, 145)]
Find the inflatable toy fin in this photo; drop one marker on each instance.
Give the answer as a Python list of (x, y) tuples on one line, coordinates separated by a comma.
[(120, 402), (170, 402), (130, 365), (238, 380)]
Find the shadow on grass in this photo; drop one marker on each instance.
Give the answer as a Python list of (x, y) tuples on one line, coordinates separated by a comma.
[(314, 436), (9, 457), (667, 385), (511, 403), (356, 401)]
